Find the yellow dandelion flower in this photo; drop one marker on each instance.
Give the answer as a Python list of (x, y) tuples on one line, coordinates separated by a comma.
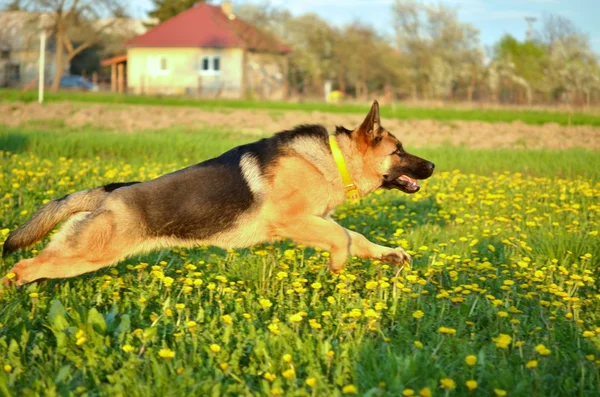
[(408, 392), (425, 392), (500, 392), (471, 384), (447, 383), (418, 314), (227, 319), (531, 364), (295, 318), (447, 331), (542, 350), (289, 373), (128, 348), (349, 389), (265, 303), (312, 382), (167, 354), (502, 341), (471, 360), (215, 348)]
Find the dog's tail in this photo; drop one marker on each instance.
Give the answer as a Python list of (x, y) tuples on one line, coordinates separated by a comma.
[(55, 211)]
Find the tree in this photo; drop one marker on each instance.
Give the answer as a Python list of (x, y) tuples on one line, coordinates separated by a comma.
[(572, 72), (74, 26), (441, 52), (528, 64), (166, 9)]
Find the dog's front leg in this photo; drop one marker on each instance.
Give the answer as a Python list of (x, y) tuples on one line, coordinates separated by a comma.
[(363, 248), (328, 235)]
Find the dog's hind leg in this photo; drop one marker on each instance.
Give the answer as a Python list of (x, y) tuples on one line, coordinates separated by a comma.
[(88, 242)]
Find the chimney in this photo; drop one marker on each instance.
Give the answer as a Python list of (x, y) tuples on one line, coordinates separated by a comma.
[(227, 8)]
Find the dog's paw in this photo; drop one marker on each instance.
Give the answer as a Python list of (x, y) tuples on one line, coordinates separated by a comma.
[(335, 268), (397, 257)]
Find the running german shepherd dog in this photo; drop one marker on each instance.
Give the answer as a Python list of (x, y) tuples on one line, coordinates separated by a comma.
[(280, 187)]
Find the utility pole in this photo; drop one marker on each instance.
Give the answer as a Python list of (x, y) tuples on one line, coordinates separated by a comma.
[(530, 22), (42, 67)]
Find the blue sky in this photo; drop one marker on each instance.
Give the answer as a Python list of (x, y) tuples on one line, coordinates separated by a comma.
[(493, 18)]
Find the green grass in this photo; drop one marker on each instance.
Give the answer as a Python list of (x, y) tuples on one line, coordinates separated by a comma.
[(187, 146), (535, 117), (508, 245)]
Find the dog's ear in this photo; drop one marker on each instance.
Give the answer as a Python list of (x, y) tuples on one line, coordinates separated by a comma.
[(371, 127)]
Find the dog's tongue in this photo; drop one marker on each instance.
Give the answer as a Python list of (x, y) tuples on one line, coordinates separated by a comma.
[(410, 183)]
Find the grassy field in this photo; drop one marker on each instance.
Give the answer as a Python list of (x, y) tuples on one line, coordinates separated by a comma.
[(503, 296), (535, 117)]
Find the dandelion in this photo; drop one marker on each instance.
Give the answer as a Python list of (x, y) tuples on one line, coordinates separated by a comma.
[(418, 314), (316, 285), (227, 319), (446, 331), (542, 350), (265, 303), (7, 368), (223, 366), (370, 313), (215, 348), (191, 324), (289, 373), (502, 341), (295, 318), (531, 364), (471, 360), (425, 392), (349, 389), (408, 392), (128, 348), (500, 392), (167, 354), (269, 376), (287, 358), (418, 344), (471, 384), (312, 382), (274, 329), (447, 383)]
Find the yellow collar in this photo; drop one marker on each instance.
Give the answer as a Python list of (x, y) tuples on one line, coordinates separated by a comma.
[(351, 190)]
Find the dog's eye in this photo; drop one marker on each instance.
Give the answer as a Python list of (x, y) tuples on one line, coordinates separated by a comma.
[(397, 152)]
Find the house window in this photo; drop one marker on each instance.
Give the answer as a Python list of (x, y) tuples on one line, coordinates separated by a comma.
[(163, 64), (4, 54), (210, 65)]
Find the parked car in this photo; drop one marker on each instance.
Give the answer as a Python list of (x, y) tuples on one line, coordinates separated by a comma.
[(77, 82)]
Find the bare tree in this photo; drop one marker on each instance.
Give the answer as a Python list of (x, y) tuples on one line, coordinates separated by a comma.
[(74, 25), (441, 51)]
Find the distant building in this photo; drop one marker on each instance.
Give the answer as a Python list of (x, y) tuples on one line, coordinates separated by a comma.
[(20, 43), (207, 51), (20, 47)]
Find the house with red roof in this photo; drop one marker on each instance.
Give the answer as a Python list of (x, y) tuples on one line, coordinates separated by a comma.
[(207, 51)]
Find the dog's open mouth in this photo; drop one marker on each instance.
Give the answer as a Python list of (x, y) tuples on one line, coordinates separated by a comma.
[(404, 182), (408, 184)]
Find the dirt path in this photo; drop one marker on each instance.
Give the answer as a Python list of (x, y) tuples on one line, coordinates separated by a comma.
[(134, 118)]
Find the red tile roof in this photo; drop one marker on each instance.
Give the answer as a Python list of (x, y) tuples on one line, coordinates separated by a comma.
[(205, 25)]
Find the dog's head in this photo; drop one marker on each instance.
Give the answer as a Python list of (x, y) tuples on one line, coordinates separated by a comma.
[(384, 157)]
